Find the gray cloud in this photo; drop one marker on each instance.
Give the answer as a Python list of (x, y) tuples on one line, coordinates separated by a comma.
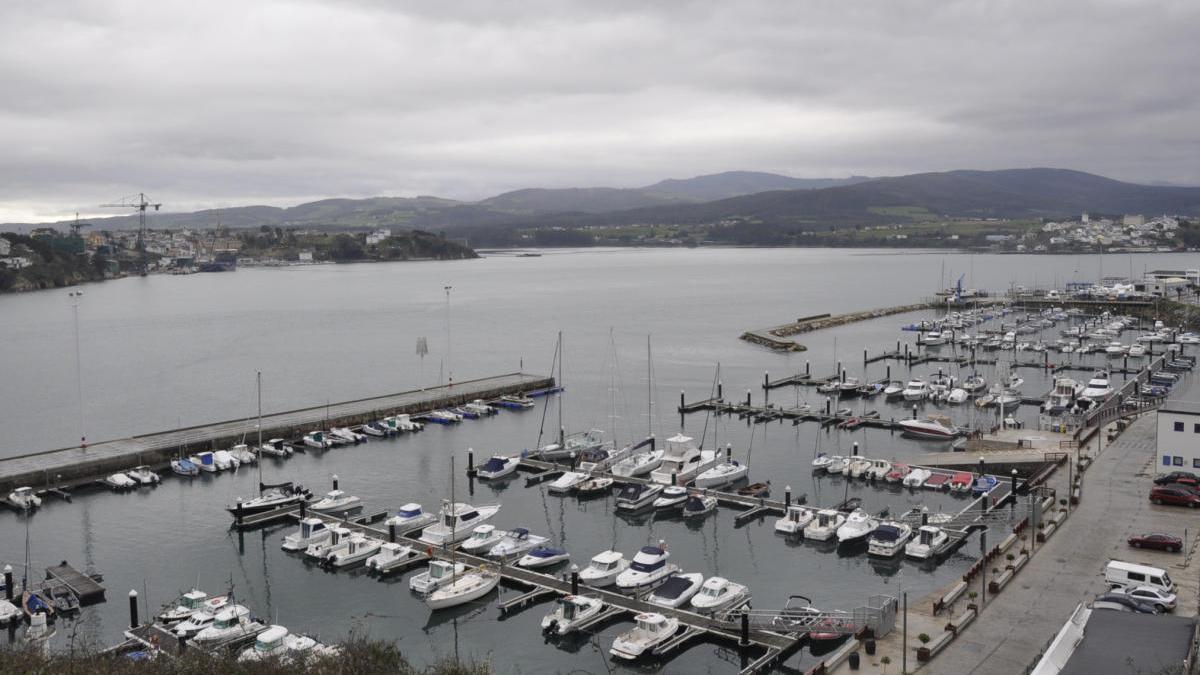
[(222, 103)]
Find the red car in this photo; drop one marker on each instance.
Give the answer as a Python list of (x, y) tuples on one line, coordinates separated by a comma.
[(1174, 496), (1163, 542)]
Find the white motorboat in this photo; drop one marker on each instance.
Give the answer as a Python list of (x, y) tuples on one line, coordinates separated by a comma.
[(603, 569), (270, 497), (120, 481), (600, 459), (464, 588), (570, 612), (456, 522), (974, 383), (498, 466), (858, 526), (1137, 350), (1115, 350), (399, 423), (638, 464), (572, 446), (1062, 397), (567, 482), (719, 593), (673, 496), (185, 467), (721, 474), (930, 542), (917, 477), (957, 396), (190, 603), (825, 525), (277, 643), (195, 623), (311, 531), (932, 339), (276, 447), (358, 548), (650, 630), (437, 574), (889, 539), (410, 517), (648, 568), (837, 465), (229, 623), (225, 461), (698, 505), (317, 439), (676, 590), (543, 556), (336, 501), (821, 462), (391, 555), (24, 498), (916, 390), (144, 476), (894, 389), (10, 613), (482, 539), (241, 452), (1098, 387), (682, 461), (345, 434), (320, 549), (635, 496), (929, 428), (376, 429), (879, 469), (597, 485), (479, 408), (857, 467), (515, 542), (795, 520)]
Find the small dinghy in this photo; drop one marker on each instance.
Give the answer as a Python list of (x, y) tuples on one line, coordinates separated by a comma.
[(498, 466), (898, 473), (276, 447), (719, 593), (676, 590), (937, 481), (917, 477), (570, 612), (650, 630), (543, 556), (603, 569), (391, 556), (317, 439), (698, 505), (594, 487), (673, 496), (756, 490), (376, 429)]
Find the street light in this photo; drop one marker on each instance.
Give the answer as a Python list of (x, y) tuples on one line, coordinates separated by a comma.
[(449, 371), (75, 295)]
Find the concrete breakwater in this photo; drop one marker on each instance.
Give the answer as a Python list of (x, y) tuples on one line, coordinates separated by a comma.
[(776, 337), (67, 466)]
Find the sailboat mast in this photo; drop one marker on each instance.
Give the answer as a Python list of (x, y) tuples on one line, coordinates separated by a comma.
[(562, 432), (259, 448), (649, 392)]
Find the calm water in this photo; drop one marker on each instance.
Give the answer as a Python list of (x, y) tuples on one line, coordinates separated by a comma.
[(161, 349)]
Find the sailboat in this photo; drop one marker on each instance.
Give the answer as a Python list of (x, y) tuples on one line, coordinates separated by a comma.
[(466, 587), (270, 497), (567, 446)]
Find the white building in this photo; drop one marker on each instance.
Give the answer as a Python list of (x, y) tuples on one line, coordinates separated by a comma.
[(16, 262), (305, 256), (1178, 439), (378, 236), (1133, 219), (5, 246)]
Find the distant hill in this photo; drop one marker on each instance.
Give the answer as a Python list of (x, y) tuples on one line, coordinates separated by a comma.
[(735, 183)]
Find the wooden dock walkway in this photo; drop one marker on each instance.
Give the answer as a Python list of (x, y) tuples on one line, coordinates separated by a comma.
[(84, 587), (69, 466)]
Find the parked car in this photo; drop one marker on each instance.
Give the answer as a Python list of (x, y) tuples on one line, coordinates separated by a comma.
[(1162, 600), (1174, 496), (1177, 477), (1124, 603), (1162, 542)]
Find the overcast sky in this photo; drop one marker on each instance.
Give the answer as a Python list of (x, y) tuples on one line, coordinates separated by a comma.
[(225, 103)]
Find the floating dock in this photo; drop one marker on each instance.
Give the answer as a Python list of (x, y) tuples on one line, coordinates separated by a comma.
[(71, 466)]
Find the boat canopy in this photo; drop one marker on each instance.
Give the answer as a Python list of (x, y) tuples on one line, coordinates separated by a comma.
[(674, 587), (495, 464), (520, 532), (546, 552), (694, 503), (409, 510), (631, 491), (886, 533)]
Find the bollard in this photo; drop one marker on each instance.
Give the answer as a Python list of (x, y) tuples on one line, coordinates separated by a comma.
[(981, 466), (827, 405), (392, 532), (747, 397), (1014, 487), (841, 372), (133, 613), (906, 350), (914, 411), (182, 643), (237, 512), (729, 451), (720, 395), (787, 503), (1046, 360), (681, 404), (470, 461), (854, 660), (924, 518), (745, 639), (8, 583), (574, 582), (806, 368), (335, 481), (766, 379), (864, 357), (854, 450), (303, 508), (889, 373), (674, 478)]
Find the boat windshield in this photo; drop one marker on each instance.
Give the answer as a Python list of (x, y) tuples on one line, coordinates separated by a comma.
[(568, 610), (408, 513), (193, 601), (710, 592), (261, 646), (648, 626), (646, 567), (438, 571), (227, 622)]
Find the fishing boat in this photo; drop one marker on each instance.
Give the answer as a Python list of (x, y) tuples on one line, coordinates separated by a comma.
[(515, 402), (648, 568), (638, 464), (24, 498), (317, 439), (721, 474), (480, 408), (676, 590), (276, 447), (400, 423), (879, 470), (603, 569), (410, 517), (682, 461), (120, 481), (195, 623), (595, 486), (567, 482), (917, 477), (888, 539), (310, 531), (929, 428), (336, 501), (144, 476), (482, 539), (224, 461), (241, 452), (650, 630), (498, 466), (456, 521), (719, 593), (825, 525), (858, 526), (358, 548), (443, 417), (857, 467), (698, 505), (190, 603), (391, 556), (320, 550), (515, 542), (543, 556), (464, 588), (571, 612), (795, 519), (635, 496), (930, 542), (278, 644), (917, 389), (437, 574), (231, 622)]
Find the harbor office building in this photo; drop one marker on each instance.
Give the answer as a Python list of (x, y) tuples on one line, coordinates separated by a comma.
[(1178, 437)]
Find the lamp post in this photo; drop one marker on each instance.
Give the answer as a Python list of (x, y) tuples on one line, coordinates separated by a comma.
[(449, 370), (75, 295)]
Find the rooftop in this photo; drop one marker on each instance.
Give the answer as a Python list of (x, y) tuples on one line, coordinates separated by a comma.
[(1177, 406), (1141, 643)]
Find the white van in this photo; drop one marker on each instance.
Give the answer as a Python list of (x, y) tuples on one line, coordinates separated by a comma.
[(1127, 575)]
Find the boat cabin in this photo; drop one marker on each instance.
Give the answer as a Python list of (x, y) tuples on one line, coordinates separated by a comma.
[(231, 617), (651, 623), (270, 640), (606, 561), (648, 559), (440, 569), (409, 511), (310, 527)]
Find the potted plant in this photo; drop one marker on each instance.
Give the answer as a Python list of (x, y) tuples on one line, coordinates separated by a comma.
[(885, 661), (923, 651), (971, 605), (1010, 558)]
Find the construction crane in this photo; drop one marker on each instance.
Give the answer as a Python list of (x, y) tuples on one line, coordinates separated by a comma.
[(76, 226), (141, 204)]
